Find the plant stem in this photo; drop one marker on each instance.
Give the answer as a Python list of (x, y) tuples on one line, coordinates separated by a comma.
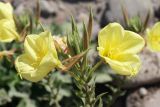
[(53, 95), (90, 96), (87, 87), (95, 67)]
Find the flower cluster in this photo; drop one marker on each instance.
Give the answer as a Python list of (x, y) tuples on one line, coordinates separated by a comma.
[(44, 53), (116, 46)]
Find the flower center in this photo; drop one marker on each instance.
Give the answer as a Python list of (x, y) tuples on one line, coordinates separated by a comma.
[(156, 39), (113, 53), (37, 62)]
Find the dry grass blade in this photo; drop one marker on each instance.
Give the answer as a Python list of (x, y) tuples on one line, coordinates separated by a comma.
[(24, 32), (146, 21), (85, 37), (125, 15), (90, 24), (7, 53), (37, 12), (73, 60)]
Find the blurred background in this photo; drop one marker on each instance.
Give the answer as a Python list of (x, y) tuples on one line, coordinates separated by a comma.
[(141, 91)]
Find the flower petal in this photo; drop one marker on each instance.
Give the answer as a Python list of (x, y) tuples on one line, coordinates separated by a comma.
[(132, 43), (30, 46), (50, 61), (40, 57), (38, 45), (156, 29), (50, 42), (126, 64), (6, 11), (30, 70), (23, 65), (8, 31), (153, 37), (110, 36)]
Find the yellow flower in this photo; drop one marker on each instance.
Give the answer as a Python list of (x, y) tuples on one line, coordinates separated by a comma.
[(118, 47), (8, 31), (6, 11), (153, 37), (39, 57)]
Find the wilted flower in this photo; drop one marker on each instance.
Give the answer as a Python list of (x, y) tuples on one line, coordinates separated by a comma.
[(118, 47), (60, 43), (6, 53), (153, 37), (39, 57), (6, 11)]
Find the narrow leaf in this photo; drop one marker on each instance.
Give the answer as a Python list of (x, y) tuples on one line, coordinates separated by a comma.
[(146, 21), (74, 60), (69, 44), (24, 32), (100, 103), (37, 12), (75, 36), (90, 24), (99, 97), (31, 24), (125, 15), (85, 37)]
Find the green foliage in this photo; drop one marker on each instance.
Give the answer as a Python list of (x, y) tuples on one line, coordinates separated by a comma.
[(135, 24), (57, 89), (21, 93), (4, 98)]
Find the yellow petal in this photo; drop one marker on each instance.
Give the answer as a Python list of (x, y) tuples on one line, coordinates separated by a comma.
[(33, 71), (50, 61), (110, 36), (153, 37), (40, 57), (48, 39), (27, 70), (23, 64), (132, 43), (6, 11), (119, 48), (30, 46), (126, 64), (156, 29), (38, 45), (8, 31)]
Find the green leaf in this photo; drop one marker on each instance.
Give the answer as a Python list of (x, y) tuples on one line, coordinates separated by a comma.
[(100, 103), (70, 44), (26, 102), (99, 97), (4, 97), (102, 77)]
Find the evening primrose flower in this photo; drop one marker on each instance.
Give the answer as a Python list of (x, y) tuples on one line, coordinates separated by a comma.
[(153, 37), (8, 31), (6, 11), (118, 47), (39, 57)]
